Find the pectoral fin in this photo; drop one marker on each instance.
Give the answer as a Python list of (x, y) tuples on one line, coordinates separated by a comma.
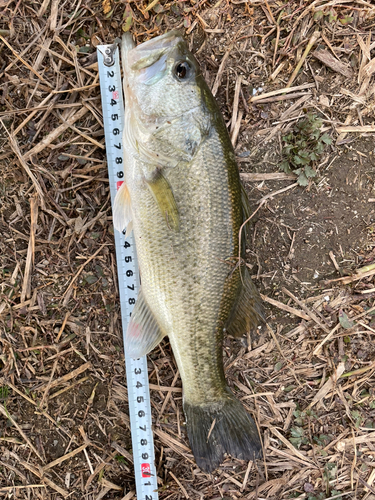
[(162, 192), (247, 312), (143, 333), (122, 214)]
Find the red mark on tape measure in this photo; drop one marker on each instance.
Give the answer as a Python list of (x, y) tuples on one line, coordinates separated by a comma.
[(146, 470)]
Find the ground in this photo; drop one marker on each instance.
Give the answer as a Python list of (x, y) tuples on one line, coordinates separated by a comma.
[(306, 376)]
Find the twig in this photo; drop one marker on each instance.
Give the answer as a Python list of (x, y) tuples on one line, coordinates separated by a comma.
[(26, 286), (56, 132), (67, 315), (17, 152), (65, 457), (315, 36), (291, 447), (328, 337), (49, 382), (359, 129), (66, 294), (25, 63), (285, 90), (236, 129), (306, 309), (179, 484), (236, 99), (4, 489), (285, 307), (274, 193), (286, 97), (70, 375), (220, 71), (272, 176), (27, 440)]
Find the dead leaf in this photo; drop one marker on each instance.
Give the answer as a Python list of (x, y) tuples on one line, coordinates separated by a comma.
[(324, 101), (106, 4)]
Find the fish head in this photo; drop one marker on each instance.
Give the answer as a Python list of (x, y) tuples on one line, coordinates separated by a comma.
[(162, 77)]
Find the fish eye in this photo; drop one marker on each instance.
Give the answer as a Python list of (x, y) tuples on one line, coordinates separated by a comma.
[(182, 70)]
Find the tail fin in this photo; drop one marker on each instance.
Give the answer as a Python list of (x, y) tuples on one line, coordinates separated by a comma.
[(221, 427)]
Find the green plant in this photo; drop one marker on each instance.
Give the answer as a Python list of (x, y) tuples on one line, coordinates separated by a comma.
[(322, 440), (317, 496), (357, 417), (346, 20), (301, 417), (303, 147), (120, 459), (298, 437), (297, 432), (329, 474), (4, 392)]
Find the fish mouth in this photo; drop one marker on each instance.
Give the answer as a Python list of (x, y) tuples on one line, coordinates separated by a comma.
[(150, 52), (167, 40)]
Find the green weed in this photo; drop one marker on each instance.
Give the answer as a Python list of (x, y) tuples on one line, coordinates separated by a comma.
[(302, 148), (4, 392)]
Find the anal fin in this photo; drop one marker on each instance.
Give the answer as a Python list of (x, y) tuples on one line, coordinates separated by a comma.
[(247, 312), (143, 333)]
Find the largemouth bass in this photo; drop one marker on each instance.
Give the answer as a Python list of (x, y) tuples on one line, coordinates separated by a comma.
[(183, 199)]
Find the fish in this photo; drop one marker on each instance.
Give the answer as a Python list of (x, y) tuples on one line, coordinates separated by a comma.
[(183, 200)]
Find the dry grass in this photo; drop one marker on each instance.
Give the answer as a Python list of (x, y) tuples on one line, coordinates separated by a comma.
[(307, 378)]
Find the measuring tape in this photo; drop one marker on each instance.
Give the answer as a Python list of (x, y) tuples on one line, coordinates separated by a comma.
[(128, 276)]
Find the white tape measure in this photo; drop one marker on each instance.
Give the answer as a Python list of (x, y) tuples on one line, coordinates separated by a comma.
[(128, 276)]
